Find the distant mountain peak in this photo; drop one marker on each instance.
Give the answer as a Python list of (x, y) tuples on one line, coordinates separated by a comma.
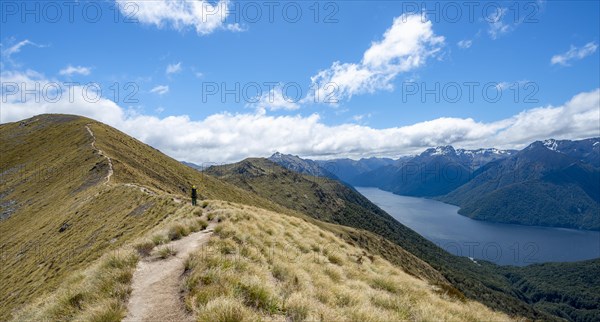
[(551, 144), (440, 150)]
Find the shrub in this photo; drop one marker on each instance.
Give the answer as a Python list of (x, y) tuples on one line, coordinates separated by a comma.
[(204, 204)]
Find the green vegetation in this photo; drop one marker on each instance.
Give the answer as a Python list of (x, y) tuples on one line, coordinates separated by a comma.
[(332, 202), (537, 186), (55, 183), (567, 290)]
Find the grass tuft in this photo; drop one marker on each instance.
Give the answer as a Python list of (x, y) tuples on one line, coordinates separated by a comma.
[(177, 231), (144, 248), (166, 252)]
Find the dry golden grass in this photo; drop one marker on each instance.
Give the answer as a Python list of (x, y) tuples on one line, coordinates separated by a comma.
[(261, 265), (101, 291), (59, 215), (96, 294)]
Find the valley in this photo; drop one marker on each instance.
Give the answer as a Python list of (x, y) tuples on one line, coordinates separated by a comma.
[(503, 244)]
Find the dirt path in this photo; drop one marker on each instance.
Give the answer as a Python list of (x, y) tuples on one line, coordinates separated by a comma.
[(110, 165), (156, 293)]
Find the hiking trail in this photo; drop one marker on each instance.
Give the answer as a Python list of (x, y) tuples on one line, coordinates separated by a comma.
[(156, 283), (100, 152)]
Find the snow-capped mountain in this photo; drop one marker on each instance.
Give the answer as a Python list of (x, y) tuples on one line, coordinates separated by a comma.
[(472, 159)]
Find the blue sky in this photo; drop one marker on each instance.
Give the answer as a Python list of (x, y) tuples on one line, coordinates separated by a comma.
[(165, 60)]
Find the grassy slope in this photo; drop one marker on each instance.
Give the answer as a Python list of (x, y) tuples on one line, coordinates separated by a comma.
[(265, 266), (61, 215), (305, 193), (568, 290)]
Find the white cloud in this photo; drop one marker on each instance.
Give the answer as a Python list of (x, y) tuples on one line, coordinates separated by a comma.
[(464, 44), (276, 99), (160, 89), (406, 45), (204, 16), (226, 137), (16, 48), (360, 117), (497, 26), (235, 27), (173, 68), (72, 70), (574, 53)]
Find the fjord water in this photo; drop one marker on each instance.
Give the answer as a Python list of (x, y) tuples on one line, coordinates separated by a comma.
[(502, 244)]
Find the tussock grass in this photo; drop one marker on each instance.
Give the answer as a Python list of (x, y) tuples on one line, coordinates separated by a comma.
[(177, 231), (100, 293), (166, 252), (159, 239), (144, 248), (97, 294), (263, 265)]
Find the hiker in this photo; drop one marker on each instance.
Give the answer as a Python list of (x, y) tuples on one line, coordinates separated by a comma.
[(194, 195)]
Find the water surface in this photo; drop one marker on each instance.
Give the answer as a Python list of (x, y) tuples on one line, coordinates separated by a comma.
[(503, 244)]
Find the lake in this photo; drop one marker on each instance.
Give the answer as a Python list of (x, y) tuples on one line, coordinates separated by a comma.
[(503, 244)]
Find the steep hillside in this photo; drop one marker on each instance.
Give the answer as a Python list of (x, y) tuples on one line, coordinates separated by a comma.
[(318, 197), (567, 290), (264, 266), (345, 205), (72, 188), (537, 186)]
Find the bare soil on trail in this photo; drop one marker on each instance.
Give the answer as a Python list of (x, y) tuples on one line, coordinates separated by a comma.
[(156, 283), (101, 153)]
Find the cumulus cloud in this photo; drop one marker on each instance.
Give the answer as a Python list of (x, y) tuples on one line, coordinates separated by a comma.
[(227, 137), (160, 89), (575, 53), (275, 99), (173, 68), (405, 46), (203, 16), (72, 70)]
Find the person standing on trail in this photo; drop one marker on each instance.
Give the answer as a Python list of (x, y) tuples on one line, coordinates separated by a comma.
[(194, 195)]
